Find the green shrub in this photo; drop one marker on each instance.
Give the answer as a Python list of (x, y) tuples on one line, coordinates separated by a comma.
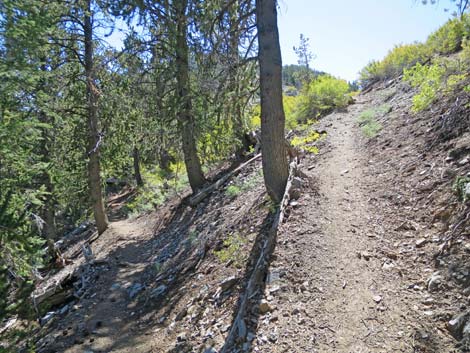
[(323, 94), (448, 38), (306, 143), (231, 250), (443, 76), (399, 58), (460, 187), (239, 187), (370, 127), (428, 79)]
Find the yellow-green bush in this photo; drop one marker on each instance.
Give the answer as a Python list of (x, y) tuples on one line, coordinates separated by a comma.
[(290, 106), (428, 78), (322, 95), (444, 76), (399, 58), (448, 39), (307, 142)]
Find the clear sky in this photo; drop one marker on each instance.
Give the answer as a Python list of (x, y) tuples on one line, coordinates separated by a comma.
[(346, 34)]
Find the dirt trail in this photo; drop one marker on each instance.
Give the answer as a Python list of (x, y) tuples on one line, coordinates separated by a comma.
[(335, 296)]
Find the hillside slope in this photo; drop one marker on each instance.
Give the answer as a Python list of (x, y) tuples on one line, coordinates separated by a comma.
[(354, 270)]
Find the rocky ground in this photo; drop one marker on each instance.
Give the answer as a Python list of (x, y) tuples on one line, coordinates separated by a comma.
[(373, 256)]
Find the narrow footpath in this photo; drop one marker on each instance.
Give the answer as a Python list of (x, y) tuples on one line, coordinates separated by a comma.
[(330, 291)]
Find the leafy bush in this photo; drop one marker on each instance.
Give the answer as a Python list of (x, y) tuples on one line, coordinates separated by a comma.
[(324, 94), (231, 250), (367, 121), (306, 143), (239, 187), (460, 187), (399, 58), (448, 39), (290, 106), (443, 76), (428, 78)]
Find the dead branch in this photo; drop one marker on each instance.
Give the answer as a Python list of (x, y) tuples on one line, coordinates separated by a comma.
[(238, 329)]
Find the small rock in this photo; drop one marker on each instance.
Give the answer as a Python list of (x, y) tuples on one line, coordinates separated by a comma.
[(181, 337), (420, 242), (345, 171), (457, 324), (435, 281), (464, 161), (377, 299), (228, 283), (274, 289), (265, 307), (388, 266)]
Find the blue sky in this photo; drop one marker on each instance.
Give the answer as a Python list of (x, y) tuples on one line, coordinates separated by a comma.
[(346, 34)]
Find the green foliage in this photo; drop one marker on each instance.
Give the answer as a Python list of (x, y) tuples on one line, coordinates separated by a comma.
[(231, 250), (460, 188), (20, 254), (399, 58), (290, 106), (367, 120), (292, 75), (449, 37), (322, 96), (444, 76), (238, 187), (306, 143), (159, 187), (428, 78)]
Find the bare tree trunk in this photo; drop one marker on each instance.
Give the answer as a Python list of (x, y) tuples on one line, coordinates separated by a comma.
[(94, 178), (137, 174), (185, 117), (275, 165)]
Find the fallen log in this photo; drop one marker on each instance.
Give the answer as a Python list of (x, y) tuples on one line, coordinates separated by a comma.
[(238, 330), (196, 199)]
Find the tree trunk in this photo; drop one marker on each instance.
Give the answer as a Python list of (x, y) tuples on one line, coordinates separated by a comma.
[(137, 175), (275, 166), (185, 117), (94, 138)]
